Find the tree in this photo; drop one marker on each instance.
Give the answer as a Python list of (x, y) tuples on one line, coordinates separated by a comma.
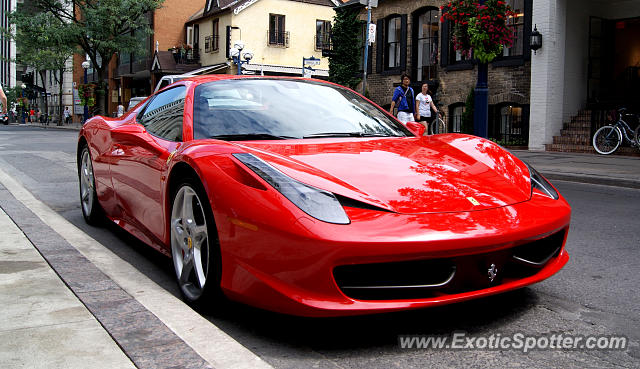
[(344, 62), (43, 45), (98, 28)]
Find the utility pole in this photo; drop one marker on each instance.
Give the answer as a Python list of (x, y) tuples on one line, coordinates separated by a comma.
[(366, 49), (481, 103)]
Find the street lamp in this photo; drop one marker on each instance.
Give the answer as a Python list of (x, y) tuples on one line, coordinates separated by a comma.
[(536, 39), (22, 117), (85, 66), (240, 57)]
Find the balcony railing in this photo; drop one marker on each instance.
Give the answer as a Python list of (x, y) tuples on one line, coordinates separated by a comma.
[(211, 44), (279, 39), (323, 42), (190, 56)]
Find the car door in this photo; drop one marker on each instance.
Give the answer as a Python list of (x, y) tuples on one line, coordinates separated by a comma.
[(140, 152)]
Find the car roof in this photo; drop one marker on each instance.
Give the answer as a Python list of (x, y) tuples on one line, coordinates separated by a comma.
[(219, 77)]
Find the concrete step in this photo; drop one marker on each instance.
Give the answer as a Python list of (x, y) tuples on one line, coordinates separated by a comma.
[(577, 125), (572, 140), (575, 132)]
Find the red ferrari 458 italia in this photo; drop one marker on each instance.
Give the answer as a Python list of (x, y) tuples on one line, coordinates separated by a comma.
[(303, 197)]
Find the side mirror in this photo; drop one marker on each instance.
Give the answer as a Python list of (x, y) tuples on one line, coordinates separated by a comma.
[(135, 135), (416, 128)]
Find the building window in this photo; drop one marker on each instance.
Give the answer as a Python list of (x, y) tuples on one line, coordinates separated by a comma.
[(277, 34), (455, 112), (426, 44), (516, 23), (456, 56), (392, 42), (211, 43), (323, 34), (510, 124)]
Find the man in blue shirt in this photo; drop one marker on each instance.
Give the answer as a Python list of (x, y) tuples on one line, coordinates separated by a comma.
[(404, 99)]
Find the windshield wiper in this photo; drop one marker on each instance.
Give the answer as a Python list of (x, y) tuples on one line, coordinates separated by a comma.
[(251, 136), (347, 134)]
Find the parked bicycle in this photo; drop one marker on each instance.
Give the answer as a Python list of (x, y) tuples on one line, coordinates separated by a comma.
[(608, 139), (438, 125)]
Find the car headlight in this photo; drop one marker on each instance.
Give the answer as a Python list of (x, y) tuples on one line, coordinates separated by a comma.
[(538, 181), (320, 204)]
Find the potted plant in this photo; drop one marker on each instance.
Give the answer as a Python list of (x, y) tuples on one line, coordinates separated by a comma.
[(480, 28)]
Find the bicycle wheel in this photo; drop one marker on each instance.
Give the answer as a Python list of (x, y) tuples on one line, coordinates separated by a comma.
[(637, 137), (607, 139), (438, 126)]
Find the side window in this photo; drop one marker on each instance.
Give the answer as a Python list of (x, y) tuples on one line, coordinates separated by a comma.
[(164, 83), (163, 115)]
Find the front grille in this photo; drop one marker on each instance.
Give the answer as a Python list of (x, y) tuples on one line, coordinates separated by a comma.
[(537, 253), (437, 277), (408, 279)]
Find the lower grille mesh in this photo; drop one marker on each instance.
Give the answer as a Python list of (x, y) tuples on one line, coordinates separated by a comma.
[(436, 277)]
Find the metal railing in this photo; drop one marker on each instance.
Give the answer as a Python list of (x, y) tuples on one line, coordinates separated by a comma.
[(280, 39), (322, 42), (211, 43), (510, 130)]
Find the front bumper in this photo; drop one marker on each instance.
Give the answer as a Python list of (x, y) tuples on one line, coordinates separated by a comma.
[(288, 265)]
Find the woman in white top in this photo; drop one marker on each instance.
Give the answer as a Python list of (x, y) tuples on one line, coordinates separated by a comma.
[(424, 104)]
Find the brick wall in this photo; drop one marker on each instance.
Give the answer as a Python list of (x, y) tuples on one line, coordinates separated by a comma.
[(506, 84), (169, 29)]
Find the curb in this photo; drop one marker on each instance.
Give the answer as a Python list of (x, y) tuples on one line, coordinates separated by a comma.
[(607, 181)]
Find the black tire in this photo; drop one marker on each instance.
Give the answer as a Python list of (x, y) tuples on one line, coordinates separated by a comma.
[(637, 136), (189, 246), (91, 209), (607, 139)]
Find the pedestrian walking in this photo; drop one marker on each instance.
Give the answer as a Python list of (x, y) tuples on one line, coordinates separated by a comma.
[(67, 115), (404, 98), (32, 115), (424, 105)]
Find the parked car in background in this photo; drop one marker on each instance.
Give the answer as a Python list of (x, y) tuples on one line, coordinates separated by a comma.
[(167, 80), (134, 101)]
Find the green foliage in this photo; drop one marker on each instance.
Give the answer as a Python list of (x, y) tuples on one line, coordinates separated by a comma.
[(344, 63), (13, 95), (87, 94), (43, 43), (97, 28), (481, 28), (478, 36), (466, 125)]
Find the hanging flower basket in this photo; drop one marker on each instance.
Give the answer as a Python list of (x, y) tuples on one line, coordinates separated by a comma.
[(87, 94), (480, 28)]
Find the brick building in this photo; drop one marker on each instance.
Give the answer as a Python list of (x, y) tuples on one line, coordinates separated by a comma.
[(411, 38), (590, 54)]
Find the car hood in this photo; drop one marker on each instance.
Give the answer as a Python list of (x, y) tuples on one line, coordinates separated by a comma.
[(443, 173)]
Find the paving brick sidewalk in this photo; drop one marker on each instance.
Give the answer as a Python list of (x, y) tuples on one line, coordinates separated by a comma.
[(42, 323)]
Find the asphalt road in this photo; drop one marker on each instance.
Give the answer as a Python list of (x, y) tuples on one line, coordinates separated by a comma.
[(595, 294)]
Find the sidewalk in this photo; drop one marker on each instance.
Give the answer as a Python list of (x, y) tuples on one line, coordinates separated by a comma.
[(612, 170), (71, 126), (43, 324)]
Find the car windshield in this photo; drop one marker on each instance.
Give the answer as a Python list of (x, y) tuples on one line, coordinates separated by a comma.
[(282, 108)]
